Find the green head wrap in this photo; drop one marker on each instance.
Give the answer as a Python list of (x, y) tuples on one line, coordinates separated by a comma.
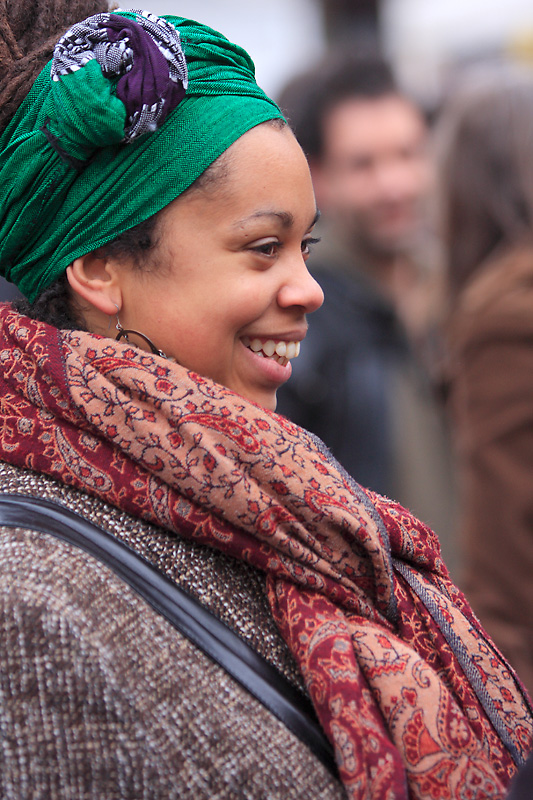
[(132, 109)]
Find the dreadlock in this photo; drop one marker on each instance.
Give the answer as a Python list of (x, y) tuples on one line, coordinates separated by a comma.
[(29, 30)]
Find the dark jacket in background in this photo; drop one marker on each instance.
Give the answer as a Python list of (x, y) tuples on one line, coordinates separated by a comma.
[(359, 387)]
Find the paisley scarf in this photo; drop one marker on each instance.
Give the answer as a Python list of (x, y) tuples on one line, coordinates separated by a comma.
[(415, 699)]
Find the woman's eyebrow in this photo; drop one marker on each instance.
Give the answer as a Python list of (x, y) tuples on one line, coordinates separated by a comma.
[(285, 217)]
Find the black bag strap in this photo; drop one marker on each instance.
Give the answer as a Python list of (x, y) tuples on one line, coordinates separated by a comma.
[(184, 612)]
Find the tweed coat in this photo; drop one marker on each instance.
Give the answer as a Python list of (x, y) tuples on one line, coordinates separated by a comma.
[(101, 698)]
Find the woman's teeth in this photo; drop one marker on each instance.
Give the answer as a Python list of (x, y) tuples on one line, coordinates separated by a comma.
[(280, 351)]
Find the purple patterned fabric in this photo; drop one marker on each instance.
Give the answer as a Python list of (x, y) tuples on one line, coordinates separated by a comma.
[(145, 55)]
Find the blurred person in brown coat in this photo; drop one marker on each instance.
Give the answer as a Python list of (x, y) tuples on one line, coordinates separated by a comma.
[(362, 382), (486, 139)]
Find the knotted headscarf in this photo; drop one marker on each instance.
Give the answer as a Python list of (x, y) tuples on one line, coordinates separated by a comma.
[(131, 110)]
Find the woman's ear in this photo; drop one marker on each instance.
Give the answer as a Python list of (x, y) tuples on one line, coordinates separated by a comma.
[(95, 278)]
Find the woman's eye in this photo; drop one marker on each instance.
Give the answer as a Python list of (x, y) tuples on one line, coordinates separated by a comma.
[(271, 248), (307, 245), (267, 248)]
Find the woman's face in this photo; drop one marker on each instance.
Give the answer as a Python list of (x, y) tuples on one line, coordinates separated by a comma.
[(229, 291)]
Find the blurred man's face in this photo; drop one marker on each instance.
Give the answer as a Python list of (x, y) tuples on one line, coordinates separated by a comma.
[(375, 171)]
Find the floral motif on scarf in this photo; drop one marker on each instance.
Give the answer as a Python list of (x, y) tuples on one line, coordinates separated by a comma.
[(414, 697)]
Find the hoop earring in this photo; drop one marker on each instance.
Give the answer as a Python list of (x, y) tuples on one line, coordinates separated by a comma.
[(124, 332)]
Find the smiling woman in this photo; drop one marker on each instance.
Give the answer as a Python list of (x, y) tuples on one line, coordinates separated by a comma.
[(232, 253), (158, 213)]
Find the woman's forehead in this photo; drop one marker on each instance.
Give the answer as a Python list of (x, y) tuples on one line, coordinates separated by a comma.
[(262, 176)]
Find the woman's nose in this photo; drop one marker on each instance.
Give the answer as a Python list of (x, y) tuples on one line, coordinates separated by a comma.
[(301, 289)]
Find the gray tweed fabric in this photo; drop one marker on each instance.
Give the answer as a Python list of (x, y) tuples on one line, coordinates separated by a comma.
[(100, 698)]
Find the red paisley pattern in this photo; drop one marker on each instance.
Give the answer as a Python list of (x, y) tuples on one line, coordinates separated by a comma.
[(356, 584)]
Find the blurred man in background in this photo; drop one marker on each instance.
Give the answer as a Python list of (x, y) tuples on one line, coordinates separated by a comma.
[(361, 381)]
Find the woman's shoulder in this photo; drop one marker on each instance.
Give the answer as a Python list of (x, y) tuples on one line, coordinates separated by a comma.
[(232, 590), (127, 705)]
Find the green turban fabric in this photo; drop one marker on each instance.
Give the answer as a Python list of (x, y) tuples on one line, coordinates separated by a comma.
[(131, 110)]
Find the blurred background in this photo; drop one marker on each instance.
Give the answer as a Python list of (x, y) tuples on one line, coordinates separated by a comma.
[(425, 39)]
